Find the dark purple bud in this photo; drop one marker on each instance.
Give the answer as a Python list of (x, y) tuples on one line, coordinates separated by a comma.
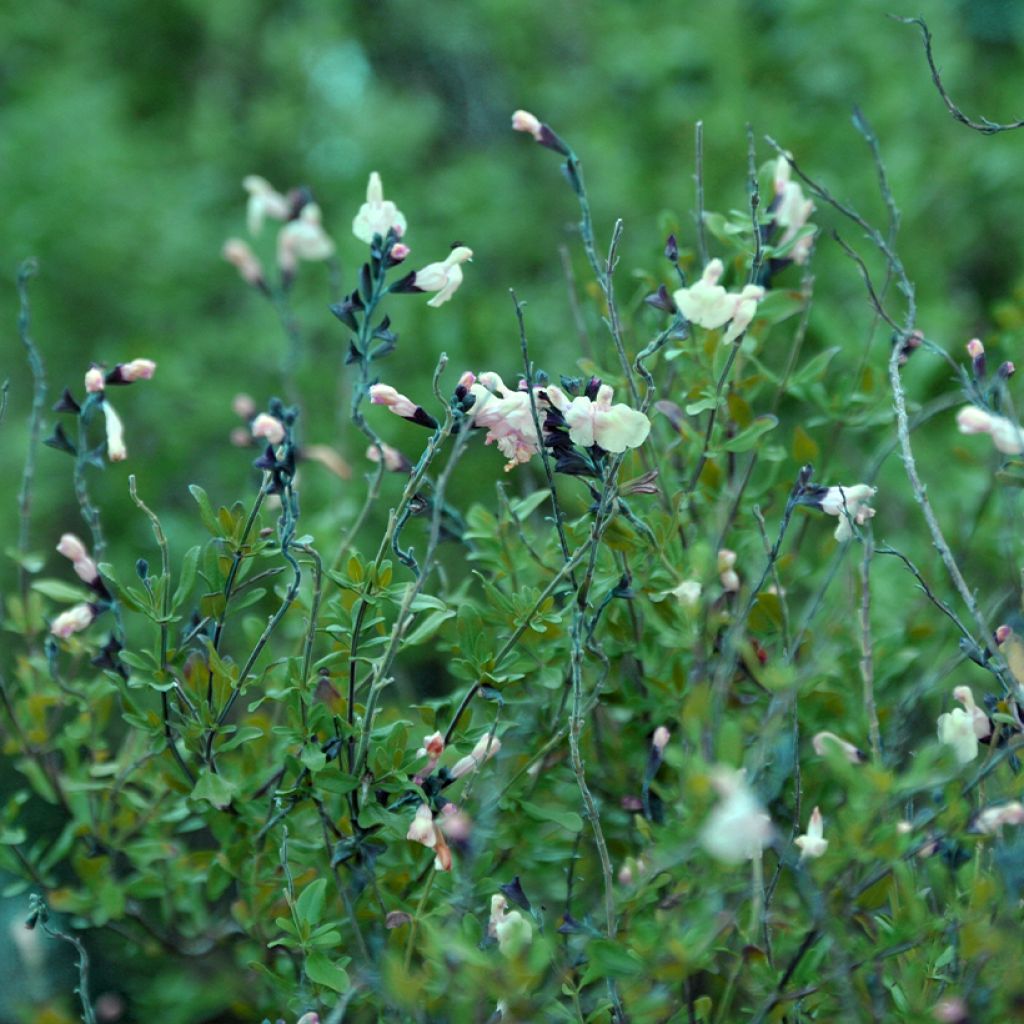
[(672, 249)]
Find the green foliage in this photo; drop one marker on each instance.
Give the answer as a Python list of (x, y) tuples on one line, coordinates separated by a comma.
[(452, 744)]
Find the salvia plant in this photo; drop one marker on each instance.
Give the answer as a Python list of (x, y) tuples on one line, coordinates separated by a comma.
[(632, 734)]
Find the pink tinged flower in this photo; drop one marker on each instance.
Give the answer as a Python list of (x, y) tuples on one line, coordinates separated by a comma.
[(377, 216), (956, 730), (399, 252), (74, 550), (74, 620), (825, 741), (454, 824), (137, 369), (243, 406), (614, 428), (486, 747), (116, 450), (1006, 435), (385, 394), (524, 121), (738, 827), (848, 503), (245, 261), (94, 380), (726, 573), (269, 427), (264, 201), (632, 868), (951, 1010), (992, 819), (813, 842), (443, 278), (303, 239), (661, 738), (975, 348), (422, 828), (328, 458), (309, 1018), (507, 416), (433, 746), (394, 460), (982, 724)]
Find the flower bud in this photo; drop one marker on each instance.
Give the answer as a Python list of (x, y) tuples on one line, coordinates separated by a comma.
[(394, 460), (137, 369), (661, 738), (524, 121), (116, 450), (243, 406), (487, 746), (74, 620), (94, 380), (72, 548), (399, 252), (824, 740), (269, 427), (245, 261)]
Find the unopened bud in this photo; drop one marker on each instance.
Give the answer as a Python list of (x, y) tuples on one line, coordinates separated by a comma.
[(1006, 370), (661, 738), (94, 380), (399, 252), (243, 406), (269, 427), (245, 261)]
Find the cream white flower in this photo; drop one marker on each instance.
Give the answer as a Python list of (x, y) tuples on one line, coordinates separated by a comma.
[(726, 571), (264, 201), (303, 239), (632, 868), (687, 593), (981, 722), (487, 746), (992, 819), (812, 843), (74, 620), (1006, 435), (708, 304), (612, 427), (848, 503), (956, 730), (377, 216), (95, 380), (116, 450), (738, 827), (309, 1018), (444, 277), (792, 211), (74, 550), (507, 416), (661, 738), (268, 427), (514, 932), (433, 746), (823, 740)]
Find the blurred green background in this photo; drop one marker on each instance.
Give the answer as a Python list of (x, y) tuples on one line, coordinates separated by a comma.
[(126, 130)]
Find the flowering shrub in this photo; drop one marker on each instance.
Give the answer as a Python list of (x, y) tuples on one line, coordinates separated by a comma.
[(610, 749)]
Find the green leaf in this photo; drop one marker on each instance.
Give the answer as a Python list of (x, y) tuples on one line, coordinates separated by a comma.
[(58, 590), (309, 907), (205, 509), (321, 970), (610, 960), (214, 788), (187, 576), (569, 820), (747, 439)]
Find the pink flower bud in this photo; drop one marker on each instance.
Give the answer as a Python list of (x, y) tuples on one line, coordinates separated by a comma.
[(240, 437), (243, 406), (94, 380), (524, 121), (487, 746), (137, 369), (975, 349), (269, 427), (74, 620), (245, 261), (72, 548), (1003, 633), (394, 460), (1006, 370), (399, 252)]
